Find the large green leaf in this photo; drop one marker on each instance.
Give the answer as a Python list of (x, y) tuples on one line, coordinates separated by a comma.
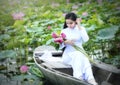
[(7, 53), (26, 79), (34, 29), (4, 37), (24, 76), (107, 33)]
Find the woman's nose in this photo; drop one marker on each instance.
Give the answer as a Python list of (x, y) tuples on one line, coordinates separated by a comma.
[(69, 25)]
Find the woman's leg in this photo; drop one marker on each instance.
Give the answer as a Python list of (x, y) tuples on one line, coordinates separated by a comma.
[(89, 76), (77, 63), (82, 67), (77, 67)]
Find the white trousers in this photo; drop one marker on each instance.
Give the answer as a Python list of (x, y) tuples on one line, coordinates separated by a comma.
[(81, 66)]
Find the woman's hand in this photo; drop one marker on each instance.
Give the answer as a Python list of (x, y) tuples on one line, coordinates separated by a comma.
[(78, 21), (70, 42)]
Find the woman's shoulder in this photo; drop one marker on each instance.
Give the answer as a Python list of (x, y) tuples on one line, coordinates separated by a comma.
[(64, 30), (82, 27)]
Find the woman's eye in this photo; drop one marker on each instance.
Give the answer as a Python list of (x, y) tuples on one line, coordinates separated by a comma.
[(70, 23)]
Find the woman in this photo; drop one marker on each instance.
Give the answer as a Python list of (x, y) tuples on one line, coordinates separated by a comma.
[(76, 35)]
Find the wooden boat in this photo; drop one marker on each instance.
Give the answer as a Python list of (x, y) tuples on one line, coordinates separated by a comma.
[(58, 73)]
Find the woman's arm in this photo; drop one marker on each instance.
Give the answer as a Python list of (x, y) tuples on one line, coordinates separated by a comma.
[(78, 21), (70, 42), (84, 34)]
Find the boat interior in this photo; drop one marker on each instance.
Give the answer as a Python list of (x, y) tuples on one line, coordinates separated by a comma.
[(51, 59)]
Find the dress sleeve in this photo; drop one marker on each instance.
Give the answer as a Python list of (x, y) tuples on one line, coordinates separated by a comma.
[(84, 35)]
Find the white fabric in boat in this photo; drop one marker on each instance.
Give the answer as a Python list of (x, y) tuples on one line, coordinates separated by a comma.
[(46, 56), (53, 62)]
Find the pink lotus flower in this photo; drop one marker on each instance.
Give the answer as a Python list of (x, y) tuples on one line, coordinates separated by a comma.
[(58, 40), (49, 27), (63, 35), (75, 7), (54, 35), (23, 69), (85, 14), (18, 16), (64, 14)]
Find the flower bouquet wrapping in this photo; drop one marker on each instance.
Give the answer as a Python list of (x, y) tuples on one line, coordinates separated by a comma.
[(59, 39)]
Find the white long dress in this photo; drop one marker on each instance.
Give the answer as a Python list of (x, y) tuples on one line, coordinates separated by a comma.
[(79, 62)]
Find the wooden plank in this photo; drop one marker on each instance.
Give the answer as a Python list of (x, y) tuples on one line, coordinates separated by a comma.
[(107, 67), (55, 65)]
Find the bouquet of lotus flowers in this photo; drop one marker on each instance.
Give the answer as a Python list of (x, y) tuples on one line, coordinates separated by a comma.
[(59, 39)]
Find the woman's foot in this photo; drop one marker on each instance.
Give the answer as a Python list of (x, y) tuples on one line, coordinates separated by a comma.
[(93, 82)]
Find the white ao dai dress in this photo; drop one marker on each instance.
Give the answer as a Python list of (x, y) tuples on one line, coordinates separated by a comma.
[(79, 62)]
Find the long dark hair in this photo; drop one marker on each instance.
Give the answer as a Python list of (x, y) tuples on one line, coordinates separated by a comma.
[(71, 16)]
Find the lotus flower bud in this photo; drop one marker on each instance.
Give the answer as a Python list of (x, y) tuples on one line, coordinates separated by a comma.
[(54, 35), (63, 35), (23, 69), (58, 40)]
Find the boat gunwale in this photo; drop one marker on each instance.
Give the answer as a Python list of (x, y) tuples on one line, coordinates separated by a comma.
[(107, 67), (51, 70)]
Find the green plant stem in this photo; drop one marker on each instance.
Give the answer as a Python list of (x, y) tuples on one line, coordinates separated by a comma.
[(20, 56), (26, 54)]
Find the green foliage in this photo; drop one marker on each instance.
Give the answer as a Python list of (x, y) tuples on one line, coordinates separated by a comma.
[(36, 71), (28, 79), (114, 20), (113, 60), (7, 54), (42, 17), (108, 33)]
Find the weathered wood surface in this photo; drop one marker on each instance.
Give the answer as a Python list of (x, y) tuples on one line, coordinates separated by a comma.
[(107, 67)]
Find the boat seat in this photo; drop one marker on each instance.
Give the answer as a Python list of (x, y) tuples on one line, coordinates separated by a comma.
[(54, 62)]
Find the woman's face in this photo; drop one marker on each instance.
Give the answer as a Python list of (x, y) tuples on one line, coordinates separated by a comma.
[(70, 23)]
